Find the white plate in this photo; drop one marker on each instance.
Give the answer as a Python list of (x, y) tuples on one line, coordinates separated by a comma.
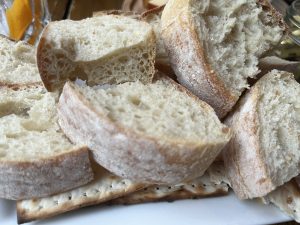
[(227, 210)]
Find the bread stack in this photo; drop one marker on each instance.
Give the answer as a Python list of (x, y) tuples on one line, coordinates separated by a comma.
[(142, 129)]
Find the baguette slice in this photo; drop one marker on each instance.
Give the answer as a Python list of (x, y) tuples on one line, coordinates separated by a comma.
[(214, 45), (103, 188), (36, 159), (155, 133), (201, 187), (104, 49), (286, 198), (17, 63), (265, 149)]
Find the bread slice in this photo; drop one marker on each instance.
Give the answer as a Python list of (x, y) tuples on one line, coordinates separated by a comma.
[(201, 187), (36, 159), (110, 49), (103, 188), (265, 149), (153, 18), (18, 63), (287, 199), (214, 45), (154, 133)]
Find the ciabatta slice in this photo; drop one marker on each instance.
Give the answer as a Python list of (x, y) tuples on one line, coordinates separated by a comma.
[(214, 46), (264, 151), (154, 133), (103, 49), (36, 159)]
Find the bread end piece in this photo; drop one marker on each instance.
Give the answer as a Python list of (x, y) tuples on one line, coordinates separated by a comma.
[(264, 150)]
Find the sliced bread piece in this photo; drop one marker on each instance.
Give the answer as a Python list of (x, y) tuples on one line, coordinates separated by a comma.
[(152, 17), (201, 187), (287, 199), (154, 133), (103, 188), (17, 63), (104, 49), (36, 159), (214, 45), (264, 151)]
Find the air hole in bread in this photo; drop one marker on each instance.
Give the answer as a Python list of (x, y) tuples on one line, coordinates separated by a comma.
[(84, 194), (17, 108), (134, 100)]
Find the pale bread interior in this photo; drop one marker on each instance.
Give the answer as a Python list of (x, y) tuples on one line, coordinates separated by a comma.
[(104, 49), (234, 34), (157, 110), (17, 63), (155, 21), (28, 125), (279, 118)]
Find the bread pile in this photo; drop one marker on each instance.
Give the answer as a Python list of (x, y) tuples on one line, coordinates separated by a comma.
[(93, 118)]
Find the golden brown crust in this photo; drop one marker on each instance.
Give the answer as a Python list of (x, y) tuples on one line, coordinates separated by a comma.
[(155, 10), (43, 177), (134, 156), (42, 60)]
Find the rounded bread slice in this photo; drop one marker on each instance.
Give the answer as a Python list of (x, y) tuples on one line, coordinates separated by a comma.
[(154, 133)]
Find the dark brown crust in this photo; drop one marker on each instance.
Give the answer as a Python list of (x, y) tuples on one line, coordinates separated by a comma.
[(267, 7), (44, 177), (41, 61), (153, 11)]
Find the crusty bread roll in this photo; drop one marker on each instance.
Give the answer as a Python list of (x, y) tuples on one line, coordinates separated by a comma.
[(103, 49), (155, 133), (214, 45), (36, 159), (264, 151)]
